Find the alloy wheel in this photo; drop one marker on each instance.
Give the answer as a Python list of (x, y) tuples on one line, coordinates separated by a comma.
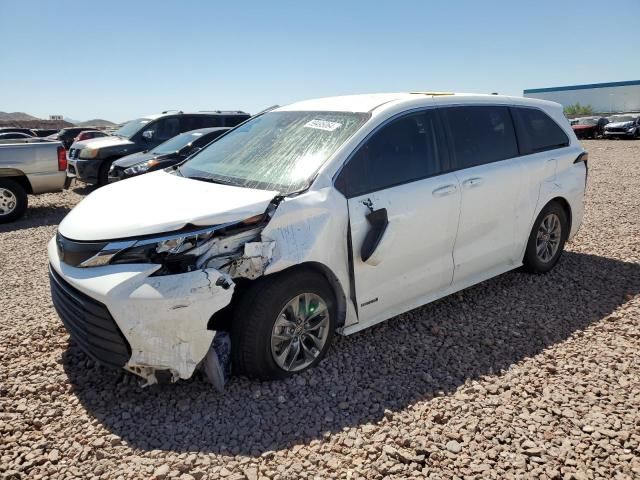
[(548, 237), (300, 332)]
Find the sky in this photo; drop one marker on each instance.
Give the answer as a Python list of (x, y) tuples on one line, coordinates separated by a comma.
[(119, 60)]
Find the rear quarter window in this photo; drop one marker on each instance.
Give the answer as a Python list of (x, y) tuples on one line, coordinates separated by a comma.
[(537, 132)]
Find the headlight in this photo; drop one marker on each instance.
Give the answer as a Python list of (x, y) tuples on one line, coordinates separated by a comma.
[(141, 167), (631, 128), (177, 253), (88, 153)]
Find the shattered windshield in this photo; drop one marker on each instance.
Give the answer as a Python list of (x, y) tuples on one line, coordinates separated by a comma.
[(276, 151)]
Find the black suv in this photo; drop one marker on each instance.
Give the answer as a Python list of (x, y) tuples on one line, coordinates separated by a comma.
[(90, 160), (167, 154)]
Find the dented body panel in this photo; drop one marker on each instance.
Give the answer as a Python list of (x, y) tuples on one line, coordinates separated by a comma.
[(164, 319), (437, 235)]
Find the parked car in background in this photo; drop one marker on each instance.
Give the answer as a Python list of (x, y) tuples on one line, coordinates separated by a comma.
[(67, 135), (623, 126), (28, 166), (90, 160), (28, 131), (14, 135), (326, 215), (89, 134), (590, 127), (44, 132), (167, 154)]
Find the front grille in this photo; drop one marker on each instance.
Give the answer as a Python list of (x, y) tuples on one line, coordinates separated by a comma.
[(89, 323), (616, 130)]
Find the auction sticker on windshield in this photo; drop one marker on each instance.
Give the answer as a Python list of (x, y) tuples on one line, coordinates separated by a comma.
[(323, 125)]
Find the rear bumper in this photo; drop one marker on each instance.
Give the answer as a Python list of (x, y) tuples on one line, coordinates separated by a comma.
[(122, 316), (46, 182)]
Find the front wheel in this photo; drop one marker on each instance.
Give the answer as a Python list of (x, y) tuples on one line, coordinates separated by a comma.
[(103, 172), (547, 238), (13, 200), (283, 325)]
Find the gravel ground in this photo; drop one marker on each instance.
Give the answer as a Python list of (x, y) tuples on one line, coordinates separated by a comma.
[(520, 377)]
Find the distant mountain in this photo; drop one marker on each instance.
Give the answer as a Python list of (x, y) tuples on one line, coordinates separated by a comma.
[(96, 122), (16, 116), (18, 119)]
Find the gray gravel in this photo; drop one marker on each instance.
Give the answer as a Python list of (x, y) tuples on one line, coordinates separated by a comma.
[(520, 377)]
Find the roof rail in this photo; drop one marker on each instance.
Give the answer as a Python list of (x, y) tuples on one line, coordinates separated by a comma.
[(167, 111), (223, 111)]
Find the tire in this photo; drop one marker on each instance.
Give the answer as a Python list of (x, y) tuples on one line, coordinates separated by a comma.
[(261, 313), (535, 262), (103, 173), (13, 200)]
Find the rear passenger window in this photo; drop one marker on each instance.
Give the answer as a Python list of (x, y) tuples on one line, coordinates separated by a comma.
[(400, 152), (536, 131), (480, 134)]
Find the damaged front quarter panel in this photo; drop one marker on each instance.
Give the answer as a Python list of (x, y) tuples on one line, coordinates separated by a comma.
[(165, 321)]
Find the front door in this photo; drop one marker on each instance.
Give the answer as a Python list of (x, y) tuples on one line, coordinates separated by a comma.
[(403, 216)]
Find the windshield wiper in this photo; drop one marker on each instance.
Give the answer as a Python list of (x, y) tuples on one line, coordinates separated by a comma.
[(208, 179)]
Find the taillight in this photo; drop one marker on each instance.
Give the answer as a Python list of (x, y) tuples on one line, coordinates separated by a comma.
[(62, 159)]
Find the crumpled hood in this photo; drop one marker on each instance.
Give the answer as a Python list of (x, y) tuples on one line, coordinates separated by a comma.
[(159, 202), (619, 125), (102, 142)]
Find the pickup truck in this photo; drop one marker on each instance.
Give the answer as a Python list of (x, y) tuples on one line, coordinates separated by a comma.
[(30, 166)]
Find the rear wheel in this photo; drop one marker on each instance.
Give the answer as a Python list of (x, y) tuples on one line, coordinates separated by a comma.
[(13, 200), (283, 325), (547, 238)]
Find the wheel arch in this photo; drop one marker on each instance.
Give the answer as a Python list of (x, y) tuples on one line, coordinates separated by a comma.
[(18, 177), (564, 203), (220, 319)]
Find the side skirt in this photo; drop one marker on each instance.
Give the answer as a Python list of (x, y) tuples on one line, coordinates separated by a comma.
[(431, 297)]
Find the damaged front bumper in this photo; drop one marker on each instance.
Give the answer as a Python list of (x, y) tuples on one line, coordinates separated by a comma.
[(163, 319)]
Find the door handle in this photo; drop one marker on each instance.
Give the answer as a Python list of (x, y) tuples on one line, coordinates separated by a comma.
[(443, 191), (473, 182)]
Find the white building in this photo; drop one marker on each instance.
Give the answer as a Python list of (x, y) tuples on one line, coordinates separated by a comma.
[(602, 97)]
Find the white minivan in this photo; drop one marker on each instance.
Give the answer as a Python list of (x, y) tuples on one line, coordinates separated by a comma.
[(323, 216)]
